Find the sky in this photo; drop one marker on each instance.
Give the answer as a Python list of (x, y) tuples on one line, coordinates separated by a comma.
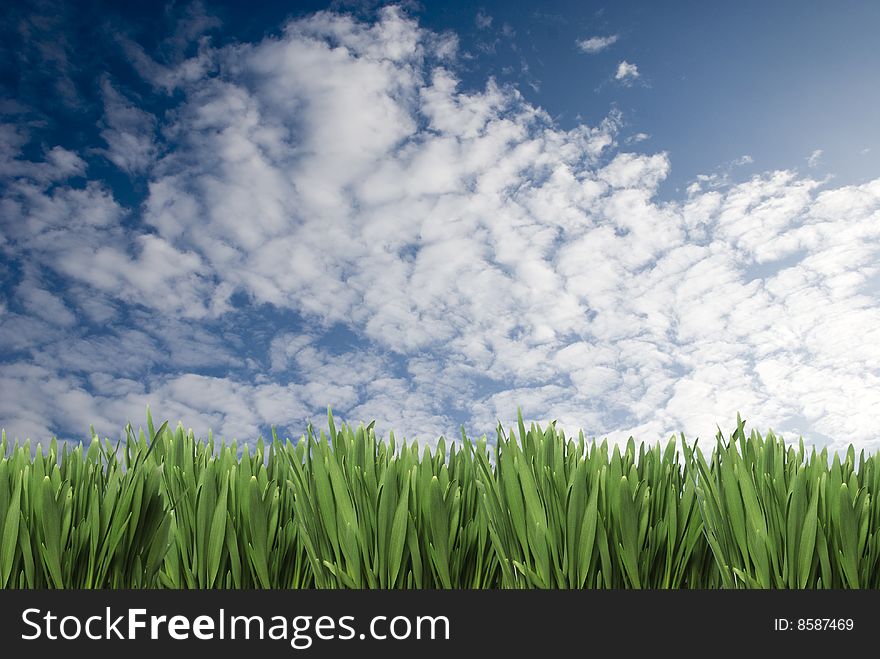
[(633, 219)]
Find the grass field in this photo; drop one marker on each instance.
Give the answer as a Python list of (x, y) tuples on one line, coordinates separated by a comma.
[(343, 509)]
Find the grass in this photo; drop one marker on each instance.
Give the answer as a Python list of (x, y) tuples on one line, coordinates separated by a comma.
[(347, 510)]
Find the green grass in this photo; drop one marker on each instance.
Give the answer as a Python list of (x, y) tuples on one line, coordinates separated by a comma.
[(346, 510)]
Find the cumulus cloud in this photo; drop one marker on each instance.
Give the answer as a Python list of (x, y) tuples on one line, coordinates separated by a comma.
[(78, 233), (626, 73), (596, 44), (481, 256)]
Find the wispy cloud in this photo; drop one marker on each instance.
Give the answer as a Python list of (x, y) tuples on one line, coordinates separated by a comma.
[(626, 72), (637, 137), (596, 44), (483, 20), (815, 158), (128, 131)]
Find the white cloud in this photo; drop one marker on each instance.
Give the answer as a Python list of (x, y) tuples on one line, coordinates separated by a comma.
[(627, 72), (77, 232), (230, 409), (596, 44), (815, 158), (44, 304), (58, 163), (630, 170), (483, 20)]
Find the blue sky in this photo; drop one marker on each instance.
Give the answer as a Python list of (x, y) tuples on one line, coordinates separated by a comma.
[(632, 218)]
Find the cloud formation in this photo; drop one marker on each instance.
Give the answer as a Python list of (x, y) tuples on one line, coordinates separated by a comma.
[(128, 132), (626, 72), (596, 44), (336, 178)]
